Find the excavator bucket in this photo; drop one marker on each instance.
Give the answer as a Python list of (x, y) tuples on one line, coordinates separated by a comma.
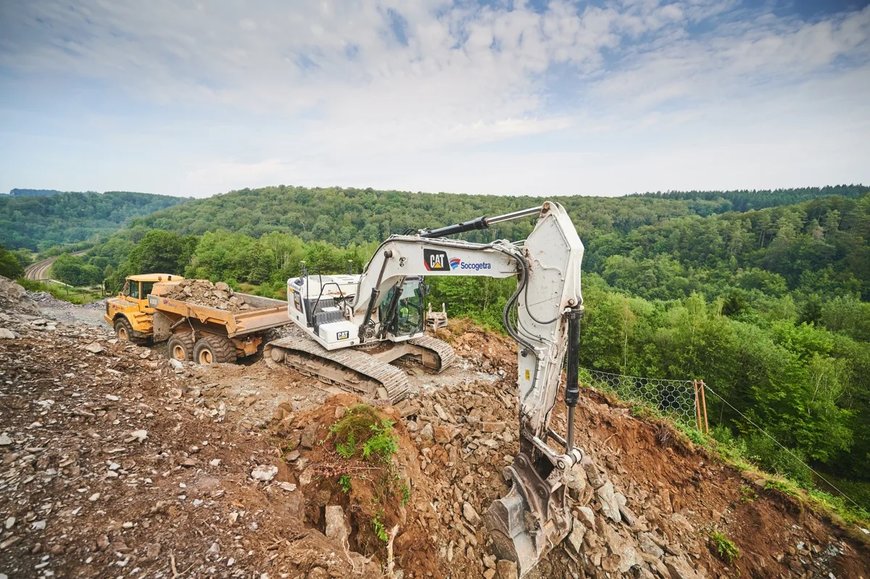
[(533, 517)]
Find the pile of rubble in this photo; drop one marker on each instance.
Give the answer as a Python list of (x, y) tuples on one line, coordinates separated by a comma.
[(213, 295), (116, 463), (14, 298), (645, 502)]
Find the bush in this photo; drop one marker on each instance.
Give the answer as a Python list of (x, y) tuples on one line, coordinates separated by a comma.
[(724, 547), (9, 265), (774, 458), (361, 431)]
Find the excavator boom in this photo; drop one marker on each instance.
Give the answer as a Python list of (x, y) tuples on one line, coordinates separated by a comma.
[(376, 307)]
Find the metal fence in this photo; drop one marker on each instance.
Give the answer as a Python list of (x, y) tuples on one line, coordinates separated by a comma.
[(683, 400)]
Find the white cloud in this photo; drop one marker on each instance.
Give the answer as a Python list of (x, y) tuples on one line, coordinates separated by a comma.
[(325, 92)]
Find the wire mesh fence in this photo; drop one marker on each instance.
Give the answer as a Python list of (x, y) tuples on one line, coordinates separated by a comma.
[(682, 400)]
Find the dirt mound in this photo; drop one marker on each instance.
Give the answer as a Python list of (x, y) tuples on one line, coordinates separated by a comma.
[(358, 470), (213, 295), (13, 298)]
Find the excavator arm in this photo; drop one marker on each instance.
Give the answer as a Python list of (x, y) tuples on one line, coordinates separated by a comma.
[(543, 316)]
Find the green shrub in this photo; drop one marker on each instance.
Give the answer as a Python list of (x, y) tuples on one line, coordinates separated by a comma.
[(344, 482), (774, 458), (380, 529), (361, 431), (724, 547)]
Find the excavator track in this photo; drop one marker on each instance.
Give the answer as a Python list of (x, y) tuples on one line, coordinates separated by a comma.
[(443, 350), (349, 368)]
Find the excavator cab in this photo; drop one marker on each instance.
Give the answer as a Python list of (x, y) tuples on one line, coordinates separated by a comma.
[(402, 308)]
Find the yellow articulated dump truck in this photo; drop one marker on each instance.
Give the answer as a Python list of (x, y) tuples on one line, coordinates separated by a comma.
[(145, 313)]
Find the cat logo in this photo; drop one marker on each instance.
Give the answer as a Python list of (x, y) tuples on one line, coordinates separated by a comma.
[(343, 335), (435, 260)]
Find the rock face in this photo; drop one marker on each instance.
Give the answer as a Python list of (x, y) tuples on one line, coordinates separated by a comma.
[(336, 524), (204, 293), (14, 298)]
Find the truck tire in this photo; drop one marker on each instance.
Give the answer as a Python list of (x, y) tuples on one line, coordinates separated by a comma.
[(267, 336), (124, 331), (180, 346), (214, 350)]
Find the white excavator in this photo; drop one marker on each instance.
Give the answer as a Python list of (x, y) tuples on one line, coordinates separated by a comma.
[(352, 326)]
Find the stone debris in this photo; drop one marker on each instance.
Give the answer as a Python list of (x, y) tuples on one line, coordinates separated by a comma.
[(14, 298), (138, 436), (264, 473), (122, 463), (94, 348), (213, 295), (336, 524)]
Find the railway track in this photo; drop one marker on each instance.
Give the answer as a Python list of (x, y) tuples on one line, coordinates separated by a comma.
[(39, 270)]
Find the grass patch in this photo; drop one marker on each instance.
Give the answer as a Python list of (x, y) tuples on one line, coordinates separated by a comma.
[(747, 494), (344, 481), (724, 547), (363, 434), (75, 295)]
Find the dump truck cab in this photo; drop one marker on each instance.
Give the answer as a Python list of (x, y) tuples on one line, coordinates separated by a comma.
[(129, 313)]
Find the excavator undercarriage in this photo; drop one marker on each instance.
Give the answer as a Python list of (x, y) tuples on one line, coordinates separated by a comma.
[(364, 371)]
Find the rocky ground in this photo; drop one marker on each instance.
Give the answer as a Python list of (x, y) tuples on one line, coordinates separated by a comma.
[(61, 311), (117, 463)]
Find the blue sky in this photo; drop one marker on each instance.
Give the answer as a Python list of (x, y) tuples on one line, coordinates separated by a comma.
[(542, 98)]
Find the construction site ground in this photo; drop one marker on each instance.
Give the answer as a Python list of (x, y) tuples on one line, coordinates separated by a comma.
[(116, 463)]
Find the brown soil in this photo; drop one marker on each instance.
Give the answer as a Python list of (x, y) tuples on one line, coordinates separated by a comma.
[(83, 494)]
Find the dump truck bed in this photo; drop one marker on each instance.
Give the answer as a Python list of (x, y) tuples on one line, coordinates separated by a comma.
[(267, 313)]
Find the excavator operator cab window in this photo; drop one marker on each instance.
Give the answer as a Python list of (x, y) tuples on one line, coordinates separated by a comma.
[(407, 308), (134, 290), (146, 289)]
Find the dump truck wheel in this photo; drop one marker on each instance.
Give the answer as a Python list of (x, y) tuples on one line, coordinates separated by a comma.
[(123, 330), (213, 350), (180, 346)]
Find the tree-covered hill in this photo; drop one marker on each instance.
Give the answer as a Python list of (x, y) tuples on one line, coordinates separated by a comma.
[(768, 305), (654, 246), (38, 222), (745, 200)]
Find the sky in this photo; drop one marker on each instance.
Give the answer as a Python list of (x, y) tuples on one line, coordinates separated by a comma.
[(497, 97)]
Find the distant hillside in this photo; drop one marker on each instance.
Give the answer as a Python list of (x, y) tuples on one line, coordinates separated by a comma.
[(35, 192), (345, 216), (657, 246), (40, 220), (759, 199)]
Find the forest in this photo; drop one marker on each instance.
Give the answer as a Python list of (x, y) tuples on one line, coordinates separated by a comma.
[(763, 295), (38, 220)]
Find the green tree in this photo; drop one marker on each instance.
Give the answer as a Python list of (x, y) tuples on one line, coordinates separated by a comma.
[(74, 270), (9, 264)]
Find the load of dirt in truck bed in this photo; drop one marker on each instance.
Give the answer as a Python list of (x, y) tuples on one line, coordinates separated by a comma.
[(213, 295)]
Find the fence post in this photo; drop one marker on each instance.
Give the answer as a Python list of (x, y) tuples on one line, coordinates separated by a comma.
[(697, 405), (704, 406)]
